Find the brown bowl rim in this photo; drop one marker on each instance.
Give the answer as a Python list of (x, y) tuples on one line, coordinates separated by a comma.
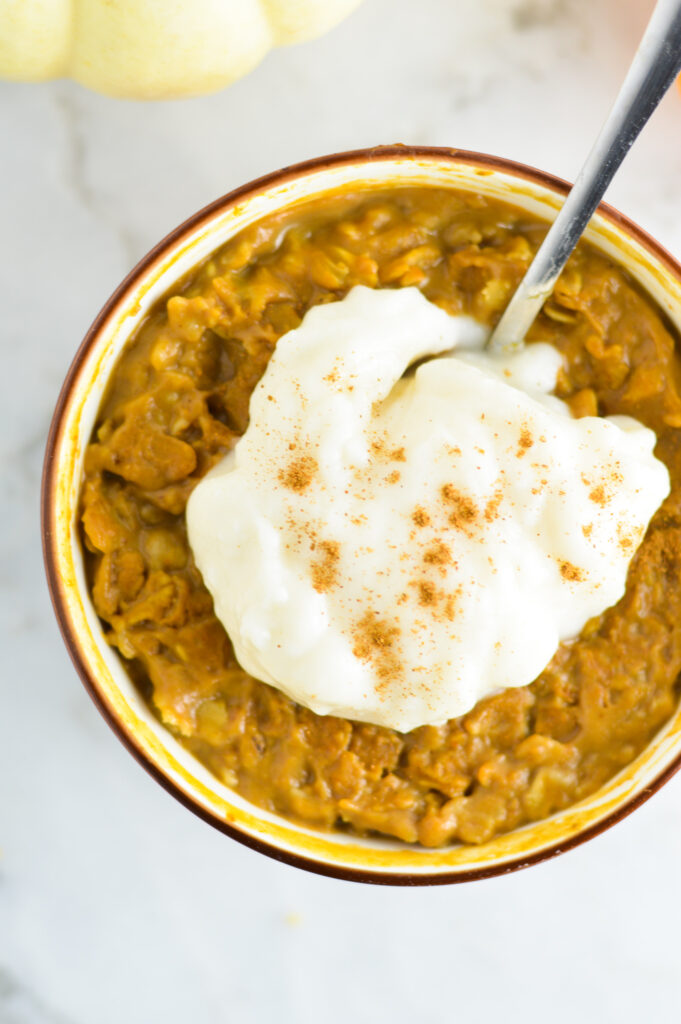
[(48, 493)]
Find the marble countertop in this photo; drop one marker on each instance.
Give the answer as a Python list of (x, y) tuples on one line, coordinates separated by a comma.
[(115, 903)]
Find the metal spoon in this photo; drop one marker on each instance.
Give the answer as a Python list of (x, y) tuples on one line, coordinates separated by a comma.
[(655, 66)]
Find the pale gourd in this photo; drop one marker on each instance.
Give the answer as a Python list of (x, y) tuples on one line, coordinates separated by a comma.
[(153, 49)]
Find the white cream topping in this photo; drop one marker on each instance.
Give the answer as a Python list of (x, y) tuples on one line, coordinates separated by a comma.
[(392, 549)]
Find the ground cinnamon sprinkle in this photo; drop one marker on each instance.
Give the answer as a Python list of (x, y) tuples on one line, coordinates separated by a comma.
[(325, 571), (463, 511), (598, 495), (437, 554), (299, 473), (379, 450), (420, 517), (626, 539), (375, 640), (492, 506), (525, 442), (427, 594), (572, 572), (450, 604), (588, 529), (393, 477), (440, 602)]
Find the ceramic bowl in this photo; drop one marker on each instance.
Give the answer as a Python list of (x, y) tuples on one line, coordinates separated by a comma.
[(103, 673)]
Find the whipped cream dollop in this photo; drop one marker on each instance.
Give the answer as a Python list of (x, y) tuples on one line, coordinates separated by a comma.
[(393, 547)]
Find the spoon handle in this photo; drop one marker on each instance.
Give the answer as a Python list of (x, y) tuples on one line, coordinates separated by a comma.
[(655, 66)]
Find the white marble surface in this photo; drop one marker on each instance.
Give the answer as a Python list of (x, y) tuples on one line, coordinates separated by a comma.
[(115, 903)]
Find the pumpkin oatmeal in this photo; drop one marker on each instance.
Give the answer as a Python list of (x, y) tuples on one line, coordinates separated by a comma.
[(178, 400)]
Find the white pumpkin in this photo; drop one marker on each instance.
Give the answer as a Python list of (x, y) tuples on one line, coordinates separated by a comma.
[(153, 49)]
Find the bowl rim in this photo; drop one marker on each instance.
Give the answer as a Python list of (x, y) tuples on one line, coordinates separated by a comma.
[(50, 475)]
